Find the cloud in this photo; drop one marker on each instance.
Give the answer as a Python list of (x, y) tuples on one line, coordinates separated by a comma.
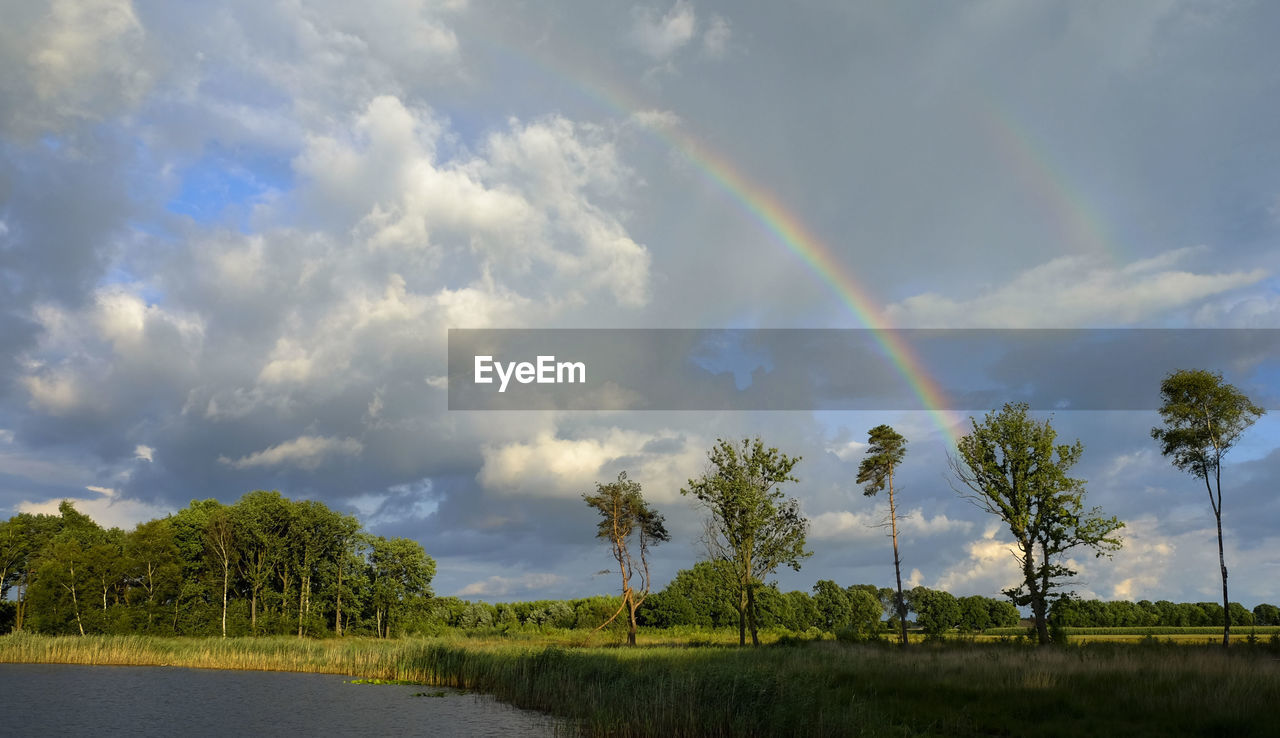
[(68, 62), (550, 466), (662, 36), (303, 452), (499, 586), (988, 568), (108, 509), (715, 41), (1075, 291), (867, 525), (144, 453)]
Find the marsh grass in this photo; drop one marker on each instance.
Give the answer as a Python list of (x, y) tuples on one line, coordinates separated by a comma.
[(815, 688)]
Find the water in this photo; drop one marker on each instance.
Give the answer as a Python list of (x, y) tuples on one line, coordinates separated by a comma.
[(42, 699)]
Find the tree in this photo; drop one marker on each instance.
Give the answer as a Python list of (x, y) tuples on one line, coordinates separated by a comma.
[(702, 596), (624, 516), (835, 611), (1203, 418), (936, 611), (400, 572), (1009, 466), (220, 542), (752, 526), (876, 473)]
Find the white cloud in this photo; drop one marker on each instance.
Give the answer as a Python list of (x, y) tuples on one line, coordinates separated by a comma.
[(499, 586), (1074, 291), (869, 525), (144, 453), (715, 42), (57, 392), (990, 566), (662, 36), (847, 451), (549, 466), (69, 61), (108, 509), (304, 452)]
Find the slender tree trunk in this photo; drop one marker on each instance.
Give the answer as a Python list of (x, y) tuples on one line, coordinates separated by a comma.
[(901, 604), (337, 618), (742, 620), (1226, 602), (751, 613), (225, 576), (21, 609), (631, 634)]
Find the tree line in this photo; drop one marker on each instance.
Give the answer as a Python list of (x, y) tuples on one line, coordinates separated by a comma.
[(266, 565), (270, 565)]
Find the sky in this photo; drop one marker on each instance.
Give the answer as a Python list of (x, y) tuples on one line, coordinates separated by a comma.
[(233, 237)]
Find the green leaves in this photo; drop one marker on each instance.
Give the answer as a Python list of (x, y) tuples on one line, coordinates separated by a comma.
[(1011, 466), (1203, 417), (886, 451)]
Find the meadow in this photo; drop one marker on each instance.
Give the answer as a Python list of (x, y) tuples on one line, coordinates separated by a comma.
[(689, 684)]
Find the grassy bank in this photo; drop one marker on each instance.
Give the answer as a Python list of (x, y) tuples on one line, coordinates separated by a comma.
[(822, 688)]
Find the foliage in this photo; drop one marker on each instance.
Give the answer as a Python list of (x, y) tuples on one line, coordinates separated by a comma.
[(885, 452), (1009, 466), (1203, 418), (752, 526), (265, 565), (627, 521)]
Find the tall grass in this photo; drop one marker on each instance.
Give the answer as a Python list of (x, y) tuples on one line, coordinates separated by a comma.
[(823, 688)]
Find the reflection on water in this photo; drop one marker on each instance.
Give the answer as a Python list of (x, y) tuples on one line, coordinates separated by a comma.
[(42, 699)]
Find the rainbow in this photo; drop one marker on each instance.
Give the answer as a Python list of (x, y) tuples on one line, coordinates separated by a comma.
[(1076, 218), (785, 227)]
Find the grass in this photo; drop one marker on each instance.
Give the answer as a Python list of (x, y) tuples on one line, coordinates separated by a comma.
[(822, 688)]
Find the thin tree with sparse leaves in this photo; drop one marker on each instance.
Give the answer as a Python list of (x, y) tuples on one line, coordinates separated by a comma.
[(886, 451), (1203, 418)]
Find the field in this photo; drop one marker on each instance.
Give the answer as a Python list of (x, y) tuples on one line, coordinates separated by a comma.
[(815, 688)]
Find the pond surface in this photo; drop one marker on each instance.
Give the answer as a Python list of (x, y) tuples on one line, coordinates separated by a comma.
[(55, 699)]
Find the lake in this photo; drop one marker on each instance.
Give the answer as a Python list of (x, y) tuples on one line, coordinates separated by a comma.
[(55, 699)]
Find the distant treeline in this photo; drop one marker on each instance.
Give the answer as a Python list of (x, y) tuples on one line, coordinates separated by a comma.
[(267, 565), (1124, 614)]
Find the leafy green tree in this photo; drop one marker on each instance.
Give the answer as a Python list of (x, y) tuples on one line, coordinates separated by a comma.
[(804, 612), (1009, 466), (154, 566), (1266, 614), (220, 543), (1203, 418), (702, 596), (865, 610), (626, 520), (975, 615), (936, 611), (886, 451), (400, 573), (752, 526), (263, 520), (835, 611)]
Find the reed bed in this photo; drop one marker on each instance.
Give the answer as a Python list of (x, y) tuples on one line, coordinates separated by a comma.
[(822, 688)]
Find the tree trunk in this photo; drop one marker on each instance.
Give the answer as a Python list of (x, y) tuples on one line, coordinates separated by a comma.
[(1035, 594), (337, 617), (742, 621), (751, 613), (1226, 602), (631, 634), (225, 576), (901, 604)]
